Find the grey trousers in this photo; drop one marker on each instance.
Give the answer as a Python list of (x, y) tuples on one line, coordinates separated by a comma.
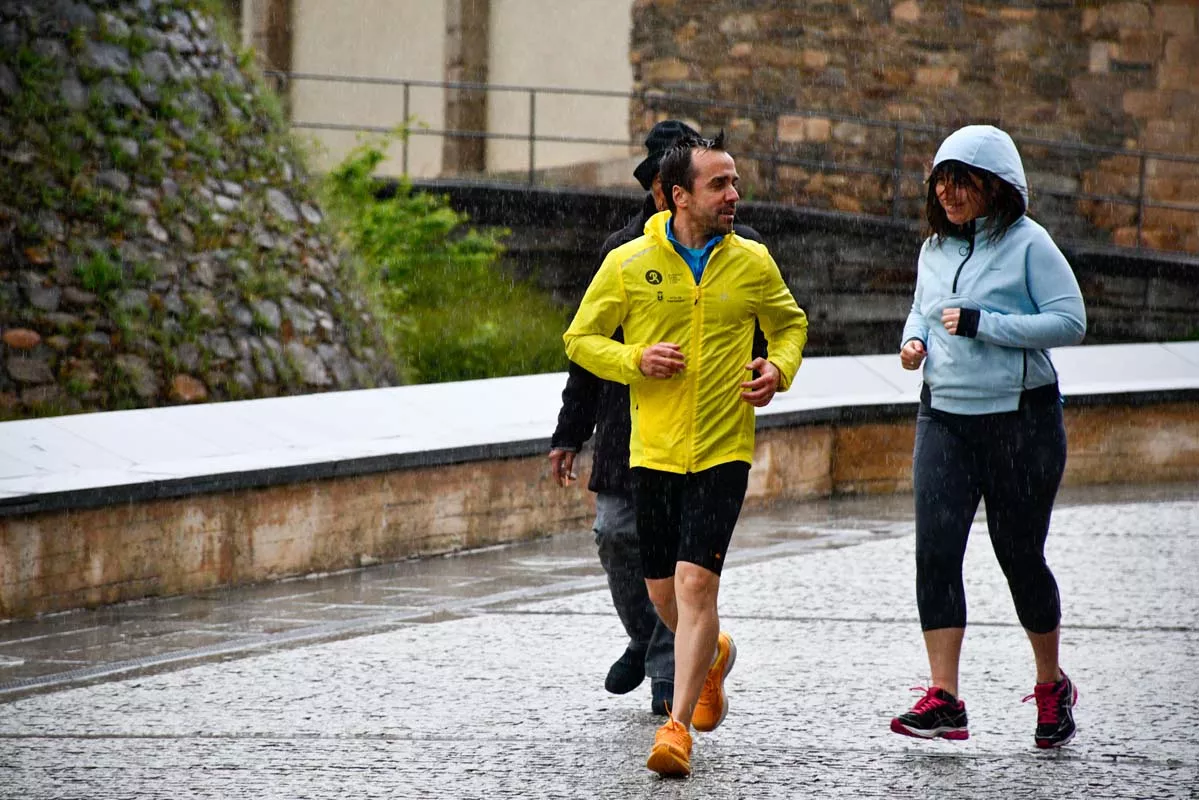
[(620, 554)]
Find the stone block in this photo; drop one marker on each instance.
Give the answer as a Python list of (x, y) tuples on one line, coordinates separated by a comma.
[(937, 77), (1140, 46), (744, 24), (1164, 187), (667, 70), (1172, 135), (1101, 57), (731, 73), (1018, 14), (1175, 19), (1146, 103), (1125, 15), (1182, 50), (791, 464), (845, 202), (1175, 295), (894, 76), (741, 50), (1158, 443), (815, 59), (742, 127), (1172, 219), (850, 133), (906, 12), (1176, 76), (1156, 238), (794, 129), (1114, 291), (1110, 184), (873, 458), (777, 55)]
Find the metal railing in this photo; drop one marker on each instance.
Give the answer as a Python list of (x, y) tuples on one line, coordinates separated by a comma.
[(897, 172)]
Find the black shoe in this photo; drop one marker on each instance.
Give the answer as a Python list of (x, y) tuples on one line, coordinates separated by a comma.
[(663, 695), (938, 713), (1055, 720), (627, 673)]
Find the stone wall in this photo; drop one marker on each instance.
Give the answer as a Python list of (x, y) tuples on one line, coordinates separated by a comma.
[(1112, 74), (853, 275), (159, 240), (57, 560)]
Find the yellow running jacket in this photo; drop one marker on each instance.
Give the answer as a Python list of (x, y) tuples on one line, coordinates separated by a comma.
[(696, 419)]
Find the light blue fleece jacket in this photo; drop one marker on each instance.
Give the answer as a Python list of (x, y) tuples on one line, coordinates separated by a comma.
[(1022, 286)]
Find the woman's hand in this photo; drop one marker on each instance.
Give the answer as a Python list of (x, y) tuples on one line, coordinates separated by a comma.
[(912, 354), (950, 317)]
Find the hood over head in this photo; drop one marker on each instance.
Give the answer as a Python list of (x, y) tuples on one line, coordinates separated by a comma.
[(989, 148)]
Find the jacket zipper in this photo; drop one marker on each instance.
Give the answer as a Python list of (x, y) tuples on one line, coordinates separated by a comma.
[(969, 253), (697, 312)]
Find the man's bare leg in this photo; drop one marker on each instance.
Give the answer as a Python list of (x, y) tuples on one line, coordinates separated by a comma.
[(698, 627)]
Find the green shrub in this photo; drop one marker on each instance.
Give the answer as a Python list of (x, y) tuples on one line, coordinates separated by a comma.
[(100, 273), (447, 310)]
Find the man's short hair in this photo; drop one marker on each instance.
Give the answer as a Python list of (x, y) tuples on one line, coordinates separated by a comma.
[(678, 166)]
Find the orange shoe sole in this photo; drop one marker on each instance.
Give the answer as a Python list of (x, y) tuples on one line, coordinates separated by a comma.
[(669, 762)]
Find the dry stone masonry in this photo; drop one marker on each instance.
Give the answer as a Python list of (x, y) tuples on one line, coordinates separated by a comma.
[(159, 240), (1117, 74)]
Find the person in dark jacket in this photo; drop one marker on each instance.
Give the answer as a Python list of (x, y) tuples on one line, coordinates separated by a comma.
[(590, 404)]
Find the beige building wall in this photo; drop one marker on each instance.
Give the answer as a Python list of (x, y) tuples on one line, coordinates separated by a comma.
[(580, 44), (577, 44), (402, 39)]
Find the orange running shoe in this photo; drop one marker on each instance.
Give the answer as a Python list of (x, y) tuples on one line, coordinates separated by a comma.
[(671, 754), (713, 703)]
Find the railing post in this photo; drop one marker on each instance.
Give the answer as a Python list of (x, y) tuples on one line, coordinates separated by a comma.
[(1141, 200), (774, 165), (407, 129), (532, 135), (897, 173)]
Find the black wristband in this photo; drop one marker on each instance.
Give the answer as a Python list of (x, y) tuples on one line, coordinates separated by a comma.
[(968, 323)]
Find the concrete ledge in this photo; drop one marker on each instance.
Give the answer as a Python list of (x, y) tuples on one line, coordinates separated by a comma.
[(109, 507)]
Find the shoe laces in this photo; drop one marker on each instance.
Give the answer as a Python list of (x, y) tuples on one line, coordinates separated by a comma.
[(930, 699), (674, 732), (712, 680), (1048, 697), (711, 686)]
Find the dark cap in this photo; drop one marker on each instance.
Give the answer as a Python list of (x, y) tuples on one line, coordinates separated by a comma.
[(659, 140)]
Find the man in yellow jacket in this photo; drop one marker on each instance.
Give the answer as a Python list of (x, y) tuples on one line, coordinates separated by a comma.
[(687, 294)]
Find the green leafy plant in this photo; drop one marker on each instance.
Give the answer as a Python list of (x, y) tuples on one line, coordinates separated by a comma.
[(447, 310), (100, 273)]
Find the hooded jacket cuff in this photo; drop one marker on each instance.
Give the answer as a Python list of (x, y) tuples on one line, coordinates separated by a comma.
[(968, 323)]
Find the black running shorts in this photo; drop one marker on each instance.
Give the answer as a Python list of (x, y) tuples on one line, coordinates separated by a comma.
[(687, 517)]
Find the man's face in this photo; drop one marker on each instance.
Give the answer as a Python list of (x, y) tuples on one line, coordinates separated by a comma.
[(711, 204)]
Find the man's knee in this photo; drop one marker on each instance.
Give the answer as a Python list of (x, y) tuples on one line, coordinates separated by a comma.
[(696, 585)]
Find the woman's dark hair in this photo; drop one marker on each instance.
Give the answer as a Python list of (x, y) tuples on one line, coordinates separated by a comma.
[(678, 168), (1002, 202)]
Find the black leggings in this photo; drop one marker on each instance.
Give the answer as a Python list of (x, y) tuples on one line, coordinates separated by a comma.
[(1015, 460)]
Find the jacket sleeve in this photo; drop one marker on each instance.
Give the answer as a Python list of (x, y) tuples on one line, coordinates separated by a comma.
[(588, 339), (580, 408), (1060, 318), (784, 323), (917, 326)]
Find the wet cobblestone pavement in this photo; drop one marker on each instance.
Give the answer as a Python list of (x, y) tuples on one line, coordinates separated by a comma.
[(482, 675)]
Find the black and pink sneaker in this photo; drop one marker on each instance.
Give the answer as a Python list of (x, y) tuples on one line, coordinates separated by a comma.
[(938, 713), (1055, 719)]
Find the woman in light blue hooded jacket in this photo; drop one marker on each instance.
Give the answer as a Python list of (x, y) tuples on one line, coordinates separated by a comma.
[(993, 293)]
